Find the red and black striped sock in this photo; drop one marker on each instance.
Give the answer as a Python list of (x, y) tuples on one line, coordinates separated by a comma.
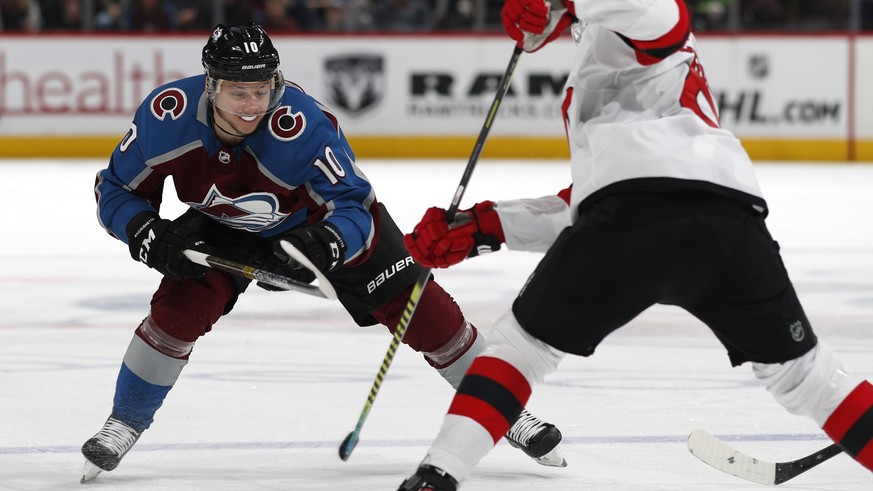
[(493, 393), (851, 424)]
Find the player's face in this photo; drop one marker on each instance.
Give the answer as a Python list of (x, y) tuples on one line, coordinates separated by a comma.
[(243, 104)]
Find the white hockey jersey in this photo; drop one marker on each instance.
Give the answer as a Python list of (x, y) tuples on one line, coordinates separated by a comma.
[(639, 116)]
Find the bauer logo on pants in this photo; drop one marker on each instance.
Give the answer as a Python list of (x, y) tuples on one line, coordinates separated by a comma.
[(355, 82), (388, 273)]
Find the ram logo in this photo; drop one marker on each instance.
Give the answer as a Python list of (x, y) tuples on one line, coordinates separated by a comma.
[(355, 82)]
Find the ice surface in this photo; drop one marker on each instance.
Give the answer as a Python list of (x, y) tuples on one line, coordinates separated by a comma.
[(271, 392)]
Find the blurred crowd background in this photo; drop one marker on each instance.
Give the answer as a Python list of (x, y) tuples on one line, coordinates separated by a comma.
[(288, 16)]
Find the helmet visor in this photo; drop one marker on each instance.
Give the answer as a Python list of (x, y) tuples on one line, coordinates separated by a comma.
[(246, 99)]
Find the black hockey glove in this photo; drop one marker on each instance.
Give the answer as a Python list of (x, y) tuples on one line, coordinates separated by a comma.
[(321, 243), (159, 244)]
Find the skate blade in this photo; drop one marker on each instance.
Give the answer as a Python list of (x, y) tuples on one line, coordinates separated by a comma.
[(89, 472), (552, 459)]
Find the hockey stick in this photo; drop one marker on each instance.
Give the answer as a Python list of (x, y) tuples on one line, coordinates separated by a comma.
[(725, 458), (324, 289), (349, 443), (323, 283)]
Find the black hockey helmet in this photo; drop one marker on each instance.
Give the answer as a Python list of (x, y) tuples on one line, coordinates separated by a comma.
[(242, 53)]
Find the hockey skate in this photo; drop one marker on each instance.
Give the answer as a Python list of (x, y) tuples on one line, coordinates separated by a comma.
[(105, 450), (429, 478), (538, 439)]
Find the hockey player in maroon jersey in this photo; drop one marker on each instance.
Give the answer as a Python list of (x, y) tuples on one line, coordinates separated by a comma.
[(257, 161), (664, 208)]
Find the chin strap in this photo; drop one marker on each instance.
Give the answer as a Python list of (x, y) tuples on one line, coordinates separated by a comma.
[(215, 122)]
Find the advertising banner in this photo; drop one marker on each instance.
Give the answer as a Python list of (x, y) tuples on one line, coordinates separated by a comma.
[(409, 91), (768, 87), (379, 86)]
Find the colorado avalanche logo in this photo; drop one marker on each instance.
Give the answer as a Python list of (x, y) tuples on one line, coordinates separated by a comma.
[(170, 101), (286, 125), (252, 212)]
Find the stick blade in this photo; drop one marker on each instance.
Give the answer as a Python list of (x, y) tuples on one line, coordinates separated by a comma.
[(714, 452), (323, 283), (346, 447), (790, 470), (260, 275)]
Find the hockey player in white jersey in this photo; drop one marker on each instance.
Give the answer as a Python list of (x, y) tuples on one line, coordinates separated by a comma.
[(664, 208)]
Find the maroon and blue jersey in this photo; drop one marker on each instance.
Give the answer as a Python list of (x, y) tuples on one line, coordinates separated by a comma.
[(297, 168)]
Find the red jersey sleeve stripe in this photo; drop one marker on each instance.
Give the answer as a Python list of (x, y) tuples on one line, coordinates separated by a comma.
[(677, 35), (565, 194), (650, 52)]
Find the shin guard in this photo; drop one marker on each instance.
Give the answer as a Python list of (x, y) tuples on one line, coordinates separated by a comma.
[(151, 366), (453, 359)]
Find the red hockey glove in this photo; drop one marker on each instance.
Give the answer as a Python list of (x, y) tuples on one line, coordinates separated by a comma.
[(436, 244), (534, 23)]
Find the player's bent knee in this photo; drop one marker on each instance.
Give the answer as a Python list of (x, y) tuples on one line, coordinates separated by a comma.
[(511, 343), (812, 384), (462, 356), (161, 341), (458, 345), (437, 321), (186, 310)]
